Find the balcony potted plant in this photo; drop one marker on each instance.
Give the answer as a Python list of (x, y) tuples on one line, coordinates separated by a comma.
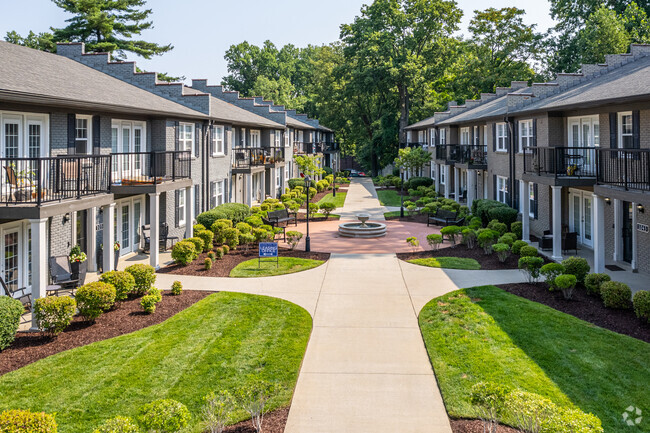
[(77, 262), (116, 255)]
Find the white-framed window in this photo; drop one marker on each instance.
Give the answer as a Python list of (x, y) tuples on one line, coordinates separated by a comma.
[(421, 137), (255, 138), (278, 178), (287, 138), (432, 137), (83, 135), (186, 137), (443, 136), (502, 137), (24, 135), (433, 172), (278, 139), (464, 135), (221, 192), (477, 135), (197, 200), (502, 189), (217, 140), (532, 199), (181, 207), (525, 134), (625, 130), (443, 180)]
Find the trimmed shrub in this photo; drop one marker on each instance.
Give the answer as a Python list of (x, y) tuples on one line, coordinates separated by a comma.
[(550, 272), (293, 238), (502, 250), (594, 281), (207, 263), (144, 275), (164, 415), (413, 242), (207, 236), (231, 211), (641, 303), (481, 209), (54, 314), (246, 239), (529, 411), (517, 246), (10, 311), (530, 266), (417, 181), (298, 181), (123, 282), (528, 251), (616, 295), (231, 238), (225, 249), (452, 233), (211, 255), (517, 229), (177, 288), (574, 420), (148, 303), (119, 424), (504, 214), (254, 221), (219, 253), (434, 240), (576, 266), (156, 293), (469, 237), (497, 226), (475, 223), (327, 208), (486, 238), (198, 228), (489, 399), (198, 244), (507, 239), (184, 252), (566, 283), (244, 227), (94, 298), (24, 421), (219, 229)]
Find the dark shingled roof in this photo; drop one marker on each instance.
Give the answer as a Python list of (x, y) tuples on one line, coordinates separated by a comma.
[(28, 75), (429, 121), (297, 124)]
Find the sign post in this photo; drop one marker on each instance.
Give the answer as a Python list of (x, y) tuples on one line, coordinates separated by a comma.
[(268, 249)]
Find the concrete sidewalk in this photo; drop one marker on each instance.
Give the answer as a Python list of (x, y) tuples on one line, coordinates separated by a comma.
[(362, 197)]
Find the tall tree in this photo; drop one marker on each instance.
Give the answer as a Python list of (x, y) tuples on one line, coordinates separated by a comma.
[(604, 33), (41, 41)]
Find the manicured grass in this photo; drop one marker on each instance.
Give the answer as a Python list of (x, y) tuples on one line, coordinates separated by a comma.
[(287, 265), (322, 215), (216, 344), (448, 263), (487, 334), (394, 213), (389, 197), (339, 200)]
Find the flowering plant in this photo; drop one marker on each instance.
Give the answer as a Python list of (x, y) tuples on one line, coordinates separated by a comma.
[(116, 246), (76, 255)]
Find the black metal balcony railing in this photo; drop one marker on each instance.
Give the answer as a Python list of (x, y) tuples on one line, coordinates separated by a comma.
[(275, 155), (472, 154), (578, 162), (625, 168), (447, 152), (149, 168), (246, 157), (50, 179), (303, 148)]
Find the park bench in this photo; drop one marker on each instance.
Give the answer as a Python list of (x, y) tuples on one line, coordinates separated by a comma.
[(444, 217), (277, 217)]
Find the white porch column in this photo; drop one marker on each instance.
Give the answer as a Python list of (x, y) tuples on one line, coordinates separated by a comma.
[(618, 230), (272, 174), (436, 176), (445, 168), (154, 229), (91, 223), (189, 211), (633, 263), (471, 187), (248, 189), (39, 262), (457, 184), (525, 213), (599, 234), (108, 236), (556, 203)]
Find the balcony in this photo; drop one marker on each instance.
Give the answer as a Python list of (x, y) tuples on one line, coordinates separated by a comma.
[(275, 155), (246, 159), (31, 184), (147, 172), (414, 144), (472, 156), (561, 166), (303, 148), (626, 169), (447, 154)]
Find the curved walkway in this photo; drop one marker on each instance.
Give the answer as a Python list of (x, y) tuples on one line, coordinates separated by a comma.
[(366, 368)]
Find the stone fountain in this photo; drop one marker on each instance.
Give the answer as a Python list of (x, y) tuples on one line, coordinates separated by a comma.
[(362, 229)]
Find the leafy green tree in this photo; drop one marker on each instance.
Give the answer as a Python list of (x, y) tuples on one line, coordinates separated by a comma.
[(412, 159), (308, 165), (42, 41), (604, 33)]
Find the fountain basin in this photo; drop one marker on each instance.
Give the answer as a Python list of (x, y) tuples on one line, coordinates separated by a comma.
[(362, 230)]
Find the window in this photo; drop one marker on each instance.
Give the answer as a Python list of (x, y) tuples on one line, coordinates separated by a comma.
[(221, 192), (82, 135), (181, 207), (625, 134), (525, 134), (432, 137), (502, 189), (278, 177), (421, 138), (278, 138), (242, 137), (433, 172), (287, 136), (23, 136), (255, 138), (464, 135), (532, 200), (477, 135), (443, 136), (502, 137), (217, 140), (442, 175), (186, 137), (197, 200)]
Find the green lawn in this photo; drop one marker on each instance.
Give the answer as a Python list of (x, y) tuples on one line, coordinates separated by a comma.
[(486, 334), (394, 213), (389, 197), (267, 268), (322, 215), (339, 200), (448, 263), (215, 344)]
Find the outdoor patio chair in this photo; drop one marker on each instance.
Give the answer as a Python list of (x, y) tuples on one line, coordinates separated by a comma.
[(17, 191), (146, 238), (164, 236), (61, 274), (570, 242), (23, 296), (546, 242)]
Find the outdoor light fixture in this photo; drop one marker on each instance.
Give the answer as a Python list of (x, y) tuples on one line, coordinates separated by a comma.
[(66, 218), (608, 200), (307, 239), (640, 208)]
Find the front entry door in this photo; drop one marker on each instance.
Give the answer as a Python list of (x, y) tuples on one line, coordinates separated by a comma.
[(82, 230), (581, 217), (627, 231)]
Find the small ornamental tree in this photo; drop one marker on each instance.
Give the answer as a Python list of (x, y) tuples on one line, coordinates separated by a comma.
[(327, 208), (413, 242), (566, 283), (550, 272), (164, 416), (530, 266), (253, 398), (434, 240), (452, 233), (502, 250), (293, 238), (486, 239)]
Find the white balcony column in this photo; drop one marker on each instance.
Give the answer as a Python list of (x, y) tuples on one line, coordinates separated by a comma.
[(445, 169), (271, 186), (436, 176), (248, 189), (556, 204), (154, 229), (92, 239), (471, 187), (39, 262), (457, 177), (618, 230), (189, 211), (525, 212), (633, 263), (108, 236), (599, 234)]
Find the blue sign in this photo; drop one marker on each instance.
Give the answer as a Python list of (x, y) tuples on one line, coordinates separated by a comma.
[(268, 249)]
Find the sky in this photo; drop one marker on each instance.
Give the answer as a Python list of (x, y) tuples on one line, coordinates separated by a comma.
[(202, 30)]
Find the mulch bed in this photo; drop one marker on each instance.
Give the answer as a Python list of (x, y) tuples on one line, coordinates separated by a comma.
[(476, 426), (303, 218), (29, 347), (419, 218), (222, 267), (584, 306), (490, 262), (274, 422)]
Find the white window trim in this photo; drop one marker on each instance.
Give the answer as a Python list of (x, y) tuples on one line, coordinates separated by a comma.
[(443, 136), (465, 135), (502, 187), (620, 134), (528, 137), (181, 207), (255, 143), (25, 119), (186, 143), (531, 200), (216, 142), (502, 138), (89, 137), (432, 137)]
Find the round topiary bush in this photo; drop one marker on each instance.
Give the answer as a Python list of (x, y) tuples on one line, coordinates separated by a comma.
[(550, 272), (123, 282), (119, 424), (184, 252), (469, 237), (165, 415), (486, 238), (24, 421), (54, 313), (531, 266), (148, 303), (528, 251), (94, 298), (576, 266), (616, 295), (566, 283), (231, 238), (207, 263), (144, 275), (594, 281), (10, 311), (177, 288), (198, 244), (502, 250), (451, 232), (219, 253), (207, 236), (517, 229), (497, 226), (641, 302), (508, 238), (517, 246)]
